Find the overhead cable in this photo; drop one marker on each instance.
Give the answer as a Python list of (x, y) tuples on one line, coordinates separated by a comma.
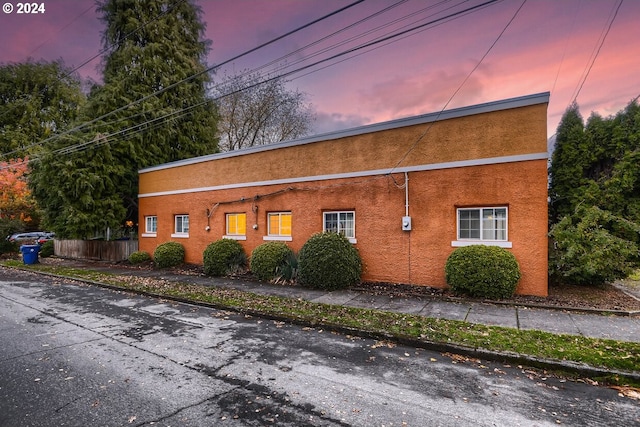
[(362, 46), (187, 79), (597, 52), (415, 144)]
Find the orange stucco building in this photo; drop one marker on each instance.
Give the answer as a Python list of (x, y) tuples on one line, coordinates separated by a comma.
[(406, 192)]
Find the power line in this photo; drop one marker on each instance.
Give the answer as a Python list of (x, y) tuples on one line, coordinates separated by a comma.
[(187, 79), (238, 77), (415, 144), (87, 61), (84, 144), (390, 36), (564, 52), (362, 46), (372, 43), (61, 29), (343, 42), (369, 49), (595, 56)]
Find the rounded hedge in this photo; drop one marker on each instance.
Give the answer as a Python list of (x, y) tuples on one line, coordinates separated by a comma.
[(268, 258), (329, 261), (482, 271), (222, 256), (46, 249), (8, 247), (139, 257), (169, 254)]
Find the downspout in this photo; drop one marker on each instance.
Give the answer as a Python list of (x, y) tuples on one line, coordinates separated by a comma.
[(406, 213), (406, 194)]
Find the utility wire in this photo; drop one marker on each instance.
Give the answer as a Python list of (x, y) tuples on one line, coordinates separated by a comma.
[(369, 44), (87, 61), (187, 79), (281, 59), (388, 42), (306, 67), (595, 56), (70, 149), (415, 144), (380, 40), (566, 45)]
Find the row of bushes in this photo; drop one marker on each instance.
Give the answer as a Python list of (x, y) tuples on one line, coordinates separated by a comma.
[(326, 261), (329, 261)]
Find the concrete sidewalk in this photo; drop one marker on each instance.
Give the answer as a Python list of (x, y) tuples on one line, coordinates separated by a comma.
[(610, 326)]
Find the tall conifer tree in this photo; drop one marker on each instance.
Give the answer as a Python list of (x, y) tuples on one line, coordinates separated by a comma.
[(595, 197), (567, 164), (151, 109), (37, 99)]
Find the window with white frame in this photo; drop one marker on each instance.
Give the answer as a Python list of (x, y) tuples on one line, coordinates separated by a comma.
[(483, 225), (150, 226), (343, 222), (278, 226), (236, 227), (181, 226)]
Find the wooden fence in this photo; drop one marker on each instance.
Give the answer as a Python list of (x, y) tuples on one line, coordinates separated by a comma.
[(117, 250)]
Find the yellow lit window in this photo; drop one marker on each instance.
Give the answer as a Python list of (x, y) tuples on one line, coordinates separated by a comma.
[(279, 224), (237, 224)]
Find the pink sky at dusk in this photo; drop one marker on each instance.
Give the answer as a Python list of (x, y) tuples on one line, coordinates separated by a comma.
[(548, 47)]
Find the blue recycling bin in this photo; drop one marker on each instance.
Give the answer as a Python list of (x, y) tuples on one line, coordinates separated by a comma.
[(30, 253)]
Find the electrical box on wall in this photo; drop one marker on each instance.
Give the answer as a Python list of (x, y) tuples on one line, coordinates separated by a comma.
[(406, 223)]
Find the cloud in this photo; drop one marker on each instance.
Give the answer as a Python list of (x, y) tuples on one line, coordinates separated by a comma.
[(410, 95), (329, 122)]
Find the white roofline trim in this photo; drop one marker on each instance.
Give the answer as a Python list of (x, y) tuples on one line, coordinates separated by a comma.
[(522, 101), (359, 174)]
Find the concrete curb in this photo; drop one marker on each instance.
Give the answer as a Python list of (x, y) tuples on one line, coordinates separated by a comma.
[(508, 357)]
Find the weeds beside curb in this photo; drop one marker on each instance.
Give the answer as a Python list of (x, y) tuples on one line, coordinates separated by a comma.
[(615, 362)]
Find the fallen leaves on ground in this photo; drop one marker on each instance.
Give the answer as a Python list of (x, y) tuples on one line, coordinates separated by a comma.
[(626, 391)]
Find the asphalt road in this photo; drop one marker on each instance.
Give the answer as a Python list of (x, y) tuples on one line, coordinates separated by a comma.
[(79, 355)]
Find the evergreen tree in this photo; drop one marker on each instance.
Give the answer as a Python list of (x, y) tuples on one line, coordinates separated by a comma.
[(621, 186), (79, 193), (596, 164), (37, 99), (567, 164), (595, 197), (151, 109), (154, 45)]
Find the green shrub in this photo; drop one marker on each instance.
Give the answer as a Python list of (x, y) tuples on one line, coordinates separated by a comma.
[(169, 254), (267, 258), (139, 257), (287, 272), (7, 228), (222, 257), (482, 271), (7, 247), (329, 261), (46, 249), (593, 247), (238, 264)]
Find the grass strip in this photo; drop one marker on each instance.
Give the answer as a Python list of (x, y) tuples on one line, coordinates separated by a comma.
[(600, 353)]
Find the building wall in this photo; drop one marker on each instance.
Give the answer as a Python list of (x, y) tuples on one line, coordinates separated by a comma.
[(501, 133), (450, 164)]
